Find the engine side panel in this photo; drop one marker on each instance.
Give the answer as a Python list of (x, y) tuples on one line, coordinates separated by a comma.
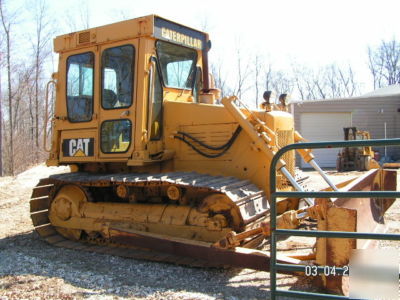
[(213, 125)]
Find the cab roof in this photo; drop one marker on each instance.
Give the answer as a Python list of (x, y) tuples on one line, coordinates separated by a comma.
[(151, 26)]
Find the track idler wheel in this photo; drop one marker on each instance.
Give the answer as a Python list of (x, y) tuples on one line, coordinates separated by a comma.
[(65, 206), (219, 204)]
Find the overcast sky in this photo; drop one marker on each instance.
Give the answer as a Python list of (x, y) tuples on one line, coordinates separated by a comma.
[(284, 32)]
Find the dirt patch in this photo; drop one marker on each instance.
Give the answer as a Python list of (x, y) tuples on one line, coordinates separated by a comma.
[(32, 269)]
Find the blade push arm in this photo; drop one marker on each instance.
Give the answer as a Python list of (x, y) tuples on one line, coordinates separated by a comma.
[(309, 158)]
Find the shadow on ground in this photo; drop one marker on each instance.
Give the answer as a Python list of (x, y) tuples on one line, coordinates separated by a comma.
[(101, 274)]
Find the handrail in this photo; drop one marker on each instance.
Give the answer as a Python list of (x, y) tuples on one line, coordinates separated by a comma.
[(274, 232), (46, 116)]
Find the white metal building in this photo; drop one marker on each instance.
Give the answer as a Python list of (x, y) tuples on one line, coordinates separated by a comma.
[(323, 120)]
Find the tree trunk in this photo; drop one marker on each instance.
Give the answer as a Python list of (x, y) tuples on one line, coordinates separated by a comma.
[(10, 108), (6, 28), (37, 106), (1, 130)]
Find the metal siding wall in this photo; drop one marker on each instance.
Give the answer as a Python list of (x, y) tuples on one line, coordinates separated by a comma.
[(324, 127), (365, 116)]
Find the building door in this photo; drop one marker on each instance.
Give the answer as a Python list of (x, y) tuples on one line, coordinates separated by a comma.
[(318, 127)]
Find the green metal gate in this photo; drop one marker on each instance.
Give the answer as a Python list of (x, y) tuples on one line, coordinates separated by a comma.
[(274, 266)]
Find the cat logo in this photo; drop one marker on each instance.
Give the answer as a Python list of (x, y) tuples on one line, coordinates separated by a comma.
[(78, 147)]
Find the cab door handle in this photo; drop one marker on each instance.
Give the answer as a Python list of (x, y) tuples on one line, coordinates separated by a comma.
[(124, 113)]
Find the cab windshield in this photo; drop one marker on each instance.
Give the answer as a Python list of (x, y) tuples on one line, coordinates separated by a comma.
[(177, 65)]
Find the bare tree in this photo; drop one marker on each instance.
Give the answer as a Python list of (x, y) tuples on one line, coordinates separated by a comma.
[(338, 82), (84, 14), (7, 23), (350, 86), (304, 82), (375, 69), (23, 145), (70, 20), (332, 84), (282, 83), (268, 77), (1, 109), (384, 63), (41, 51), (320, 87), (242, 75), (24, 89), (77, 16), (1, 122), (278, 81), (220, 78), (257, 74), (21, 84), (330, 81)]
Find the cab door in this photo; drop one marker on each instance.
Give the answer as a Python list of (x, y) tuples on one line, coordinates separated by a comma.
[(118, 69), (76, 109)]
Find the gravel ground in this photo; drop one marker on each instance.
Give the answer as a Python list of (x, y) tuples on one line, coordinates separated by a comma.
[(32, 269)]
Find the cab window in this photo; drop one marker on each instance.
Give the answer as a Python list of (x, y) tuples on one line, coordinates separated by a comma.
[(198, 85), (177, 65), (116, 136), (117, 77), (80, 87)]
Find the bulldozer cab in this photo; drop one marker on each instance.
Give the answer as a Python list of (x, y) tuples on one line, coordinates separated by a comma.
[(356, 158), (111, 84), (350, 133)]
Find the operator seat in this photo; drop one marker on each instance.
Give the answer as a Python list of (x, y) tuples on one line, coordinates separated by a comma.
[(109, 98)]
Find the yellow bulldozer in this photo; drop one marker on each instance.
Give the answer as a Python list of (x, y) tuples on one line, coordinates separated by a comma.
[(356, 158), (159, 169)]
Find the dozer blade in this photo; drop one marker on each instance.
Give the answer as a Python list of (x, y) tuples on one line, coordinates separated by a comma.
[(353, 214), (370, 212), (202, 251)]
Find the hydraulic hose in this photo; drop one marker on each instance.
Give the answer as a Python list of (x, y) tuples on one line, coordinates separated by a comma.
[(225, 147)]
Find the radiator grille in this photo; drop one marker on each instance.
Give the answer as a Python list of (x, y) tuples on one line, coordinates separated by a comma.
[(84, 37), (283, 138)]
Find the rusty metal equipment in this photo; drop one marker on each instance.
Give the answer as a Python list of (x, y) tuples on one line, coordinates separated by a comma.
[(159, 170), (356, 158), (352, 218)]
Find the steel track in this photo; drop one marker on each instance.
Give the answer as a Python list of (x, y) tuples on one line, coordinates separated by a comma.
[(250, 200)]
